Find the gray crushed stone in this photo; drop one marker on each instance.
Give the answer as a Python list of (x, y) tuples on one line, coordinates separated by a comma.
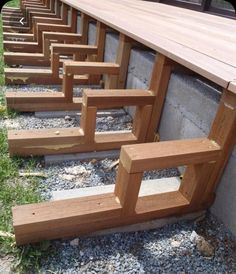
[(29, 121), (77, 90), (145, 252), (138, 252), (79, 174)]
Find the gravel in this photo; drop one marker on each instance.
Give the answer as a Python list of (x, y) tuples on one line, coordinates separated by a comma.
[(29, 121), (76, 174), (145, 252), (171, 249)]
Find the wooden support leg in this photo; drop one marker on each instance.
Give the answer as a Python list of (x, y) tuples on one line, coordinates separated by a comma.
[(67, 86), (84, 28), (122, 58), (141, 121), (100, 43), (199, 182), (127, 189), (55, 64), (88, 123), (159, 83), (50, 220)]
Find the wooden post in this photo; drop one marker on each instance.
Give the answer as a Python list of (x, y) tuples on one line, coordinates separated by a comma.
[(100, 43), (159, 84), (122, 59), (73, 20), (141, 122), (46, 48), (123, 55), (58, 10), (64, 13), (88, 122), (84, 28), (127, 189), (100, 40), (67, 86), (199, 182), (55, 61)]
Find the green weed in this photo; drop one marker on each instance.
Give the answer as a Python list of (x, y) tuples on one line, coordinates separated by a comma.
[(15, 191), (13, 3)]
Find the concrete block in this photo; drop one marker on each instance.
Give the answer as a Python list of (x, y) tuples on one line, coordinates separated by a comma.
[(98, 155), (141, 64), (134, 82), (189, 109), (62, 114), (78, 24), (148, 187), (224, 206), (69, 17), (111, 46), (92, 34)]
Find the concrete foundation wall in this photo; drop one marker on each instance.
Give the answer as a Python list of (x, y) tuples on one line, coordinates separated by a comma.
[(189, 110)]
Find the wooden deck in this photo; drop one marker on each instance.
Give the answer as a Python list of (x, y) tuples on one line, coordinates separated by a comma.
[(201, 42)]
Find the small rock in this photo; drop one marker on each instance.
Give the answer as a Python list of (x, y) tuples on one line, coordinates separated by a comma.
[(67, 177), (93, 161), (68, 118), (11, 124), (193, 236), (204, 247), (74, 242), (175, 244), (76, 170)]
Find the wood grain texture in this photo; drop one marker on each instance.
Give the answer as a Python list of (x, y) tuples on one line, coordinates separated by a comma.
[(63, 140), (118, 97), (167, 154), (209, 56), (61, 218), (158, 85), (80, 68)]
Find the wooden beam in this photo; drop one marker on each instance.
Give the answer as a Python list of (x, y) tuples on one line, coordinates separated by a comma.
[(116, 98), (71, 49), (50, 105), (56, 219), (19, 46), (80, 68), (167, 154), (78, 216), (30, 59), (63, 140)]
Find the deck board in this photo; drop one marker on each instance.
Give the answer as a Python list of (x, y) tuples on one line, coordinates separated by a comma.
[(203, 43)]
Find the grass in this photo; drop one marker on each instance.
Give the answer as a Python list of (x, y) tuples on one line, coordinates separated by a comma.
[(13, 3), (2, 81), (15, 190)]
